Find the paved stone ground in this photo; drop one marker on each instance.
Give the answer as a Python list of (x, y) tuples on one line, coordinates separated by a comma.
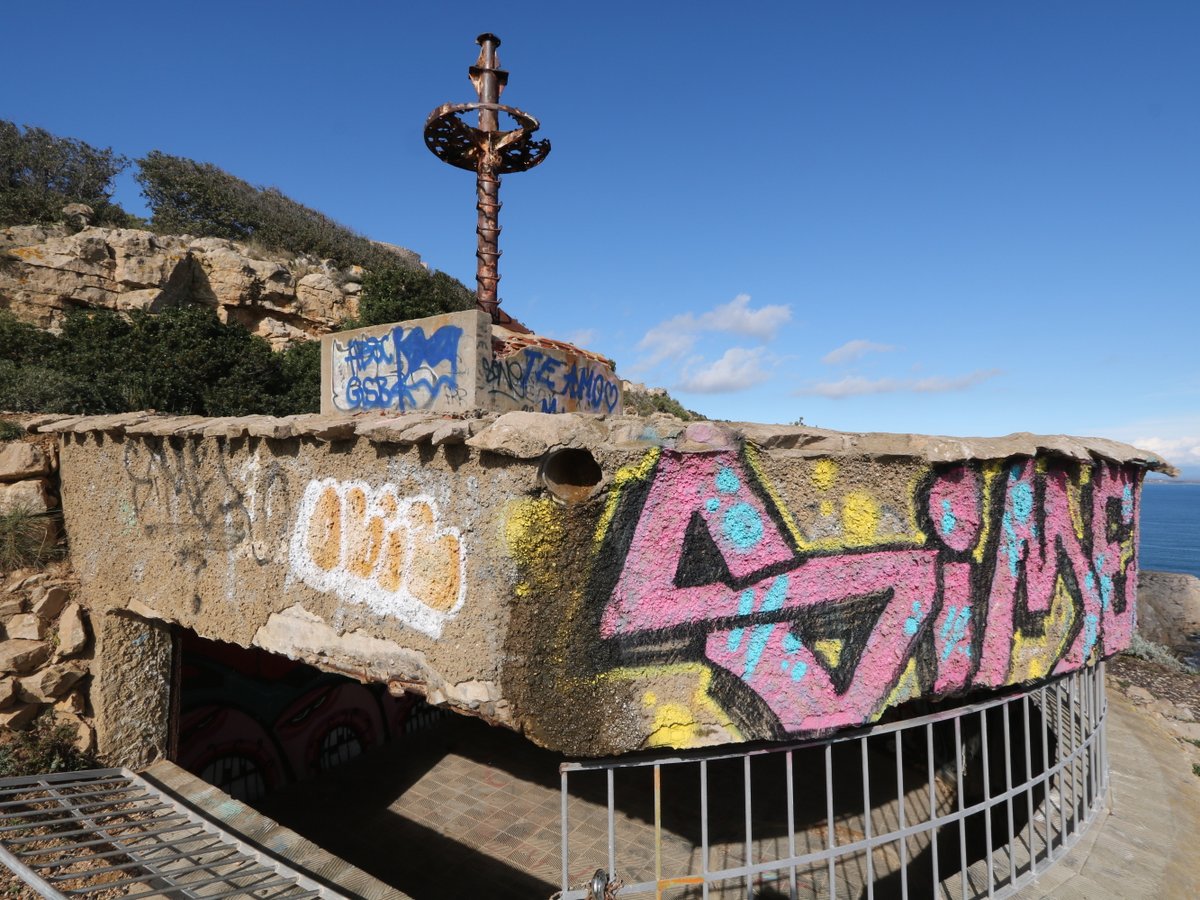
[(1145, 845), (471, 811)]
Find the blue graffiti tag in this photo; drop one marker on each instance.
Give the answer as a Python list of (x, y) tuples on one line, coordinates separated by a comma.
[(411, 375), (539, 381)]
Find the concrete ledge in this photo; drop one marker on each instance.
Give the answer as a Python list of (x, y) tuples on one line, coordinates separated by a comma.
[(660, 430)]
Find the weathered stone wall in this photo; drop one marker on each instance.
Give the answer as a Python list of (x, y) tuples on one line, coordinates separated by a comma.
[(610, 584), (45, 641)]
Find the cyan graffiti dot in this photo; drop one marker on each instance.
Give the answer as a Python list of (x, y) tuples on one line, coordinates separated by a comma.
[(799, 670), (948, 519), (913, 622), (784, 665), (712, 504), (727, 481), (742, 526)]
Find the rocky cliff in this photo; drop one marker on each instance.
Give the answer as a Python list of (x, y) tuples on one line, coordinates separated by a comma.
[(47, 270)]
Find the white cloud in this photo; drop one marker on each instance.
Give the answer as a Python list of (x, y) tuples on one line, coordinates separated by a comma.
[(671, 339), (854, 350), (581, 338), (737, 369), (737, 317), (856, 385), (1181, 451), (675, 337)]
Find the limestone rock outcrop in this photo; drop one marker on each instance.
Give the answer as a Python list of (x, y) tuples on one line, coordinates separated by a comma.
[(46, 270), (1168, 606)]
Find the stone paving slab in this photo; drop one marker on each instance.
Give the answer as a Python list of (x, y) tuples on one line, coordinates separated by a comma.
[(1145, 846)]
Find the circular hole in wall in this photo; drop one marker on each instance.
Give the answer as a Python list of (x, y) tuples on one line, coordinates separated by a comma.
[(571, 475)]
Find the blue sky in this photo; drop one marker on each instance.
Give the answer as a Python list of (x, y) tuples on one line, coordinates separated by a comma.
[(957, 218)]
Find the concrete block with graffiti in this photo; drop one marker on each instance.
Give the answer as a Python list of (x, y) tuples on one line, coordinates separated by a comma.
[(460, 362), (604, 585)]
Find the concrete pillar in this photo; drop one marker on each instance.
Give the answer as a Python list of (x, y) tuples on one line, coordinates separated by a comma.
[(131, 689)]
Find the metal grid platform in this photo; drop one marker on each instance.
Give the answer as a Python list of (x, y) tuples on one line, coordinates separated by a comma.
[(109, 832)]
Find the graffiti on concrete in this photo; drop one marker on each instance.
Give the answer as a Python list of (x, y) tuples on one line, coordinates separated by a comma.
[(997, 573), (377, 548), (539, 380), (403, 369), (207, 500)]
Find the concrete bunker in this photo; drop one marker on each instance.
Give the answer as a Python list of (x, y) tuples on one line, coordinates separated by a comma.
[(716, 592)]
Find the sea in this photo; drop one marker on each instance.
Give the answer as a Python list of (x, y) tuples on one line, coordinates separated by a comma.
[(1169, 537)]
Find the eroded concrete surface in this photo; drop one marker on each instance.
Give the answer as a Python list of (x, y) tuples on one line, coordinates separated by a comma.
[(700, 584)]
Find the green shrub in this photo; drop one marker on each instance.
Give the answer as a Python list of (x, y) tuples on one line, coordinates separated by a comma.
[(27, 538), (21, 342), (644, 403), (395, 294), (10, 431), (46, 746), (182, 360), (41, 173), (301, 365), (1149, 651)]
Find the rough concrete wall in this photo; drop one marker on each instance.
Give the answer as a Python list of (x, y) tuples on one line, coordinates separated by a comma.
[(428, 364), (608, 585), (131, 689), (456, 363), (733, 595)]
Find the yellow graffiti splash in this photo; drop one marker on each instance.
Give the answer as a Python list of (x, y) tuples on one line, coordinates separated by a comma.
[(626, 475), (990, 471), (1075, 504), (860, 518), (533, 532), (824, 474), (679, 722), (1032, 657), (755, 464), (907, 688), (830, 650)]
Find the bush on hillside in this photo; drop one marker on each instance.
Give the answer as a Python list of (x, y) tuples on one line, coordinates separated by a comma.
[(41, 173), (182, 360), (394, 294), (645, 403), (188, 197)]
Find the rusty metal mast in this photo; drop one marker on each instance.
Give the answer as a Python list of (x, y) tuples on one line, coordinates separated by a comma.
[(490, 153)]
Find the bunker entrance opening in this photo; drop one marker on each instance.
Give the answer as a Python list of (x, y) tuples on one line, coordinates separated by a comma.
[(250, 722), (965, 801)]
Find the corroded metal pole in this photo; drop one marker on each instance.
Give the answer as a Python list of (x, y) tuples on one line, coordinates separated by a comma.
[(489, 80), (490, 152)]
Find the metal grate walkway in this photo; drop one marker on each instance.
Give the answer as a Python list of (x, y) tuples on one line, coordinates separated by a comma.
[(110, 833)]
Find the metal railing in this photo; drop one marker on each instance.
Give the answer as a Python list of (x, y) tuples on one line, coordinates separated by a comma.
[(971, 801)]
